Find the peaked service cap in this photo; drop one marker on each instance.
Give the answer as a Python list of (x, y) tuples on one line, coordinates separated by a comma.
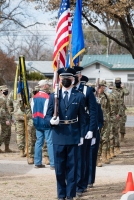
[(78, 69), (84, 79), (66, 72)]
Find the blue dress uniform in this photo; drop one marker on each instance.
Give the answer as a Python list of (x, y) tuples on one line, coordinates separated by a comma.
[(83, 151), (66, 136), (94, 148)]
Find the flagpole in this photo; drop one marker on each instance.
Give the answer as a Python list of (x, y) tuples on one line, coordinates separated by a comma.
[(70, 47)]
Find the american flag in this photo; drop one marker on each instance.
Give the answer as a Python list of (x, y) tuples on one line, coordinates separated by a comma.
[(63, 31)]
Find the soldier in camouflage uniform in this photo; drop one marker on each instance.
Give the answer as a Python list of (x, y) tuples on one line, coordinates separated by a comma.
[(121, 91), (104, 134), (5, 119), (18, 111), (31, 136), (115, 114)]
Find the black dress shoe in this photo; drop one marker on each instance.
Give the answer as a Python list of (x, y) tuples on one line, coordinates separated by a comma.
[(40, 166), (90, 185), (78, 194), (69, 198), (85, 190), (61, 199)]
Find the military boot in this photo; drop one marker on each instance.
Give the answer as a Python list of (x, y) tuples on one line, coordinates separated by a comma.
[(112, 152), (99, 163), (22, 154), (117, 150), (30, 161), (104, 158), (122, 137), (7, 150), (1, 151), (46, 160), (108, 155)]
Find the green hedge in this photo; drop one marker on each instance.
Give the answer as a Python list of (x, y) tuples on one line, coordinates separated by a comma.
[(35, 76)]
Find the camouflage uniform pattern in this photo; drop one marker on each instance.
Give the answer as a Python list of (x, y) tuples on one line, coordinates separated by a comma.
[(121, 92), (114, 123), (45, 150), (31, 133), (4, 116), (18, 114), (18, 111), (104, 101)]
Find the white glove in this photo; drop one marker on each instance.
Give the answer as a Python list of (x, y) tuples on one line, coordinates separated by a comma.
[(93, 141), (54, 121), (81, 141), (89, 135)]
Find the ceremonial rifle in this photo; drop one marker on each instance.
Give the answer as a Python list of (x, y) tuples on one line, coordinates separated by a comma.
[(97, 85), (56, 93)]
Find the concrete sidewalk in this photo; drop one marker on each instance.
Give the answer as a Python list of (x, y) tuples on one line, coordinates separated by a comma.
[(106, 174)]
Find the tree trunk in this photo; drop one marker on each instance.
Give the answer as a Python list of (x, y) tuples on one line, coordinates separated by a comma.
[(128, 35)]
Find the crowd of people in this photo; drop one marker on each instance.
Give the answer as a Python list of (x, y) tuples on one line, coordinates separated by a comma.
[(85, 133)]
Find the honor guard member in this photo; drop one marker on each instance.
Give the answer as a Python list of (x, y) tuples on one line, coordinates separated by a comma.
[(95, 145), (122, 91), (68, 133), (84, 80), (5, 119), (90, 131)]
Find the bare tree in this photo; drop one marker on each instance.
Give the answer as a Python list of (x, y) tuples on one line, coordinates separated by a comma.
[(119, 11), (34, 48), (9, 44), (7, 68), (14, 14)]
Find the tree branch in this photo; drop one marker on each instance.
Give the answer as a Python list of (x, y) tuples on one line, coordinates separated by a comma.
[(104, 33)]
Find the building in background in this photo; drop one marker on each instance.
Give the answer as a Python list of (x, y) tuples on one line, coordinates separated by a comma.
[(108, 67), (43, 67), (105, 67)]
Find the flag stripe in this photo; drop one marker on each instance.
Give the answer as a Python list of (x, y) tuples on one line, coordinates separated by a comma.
[(60, 44), (62, 19), (61, 36), (63, 31)]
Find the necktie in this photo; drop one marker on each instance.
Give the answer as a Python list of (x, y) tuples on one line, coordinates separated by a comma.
[(66, 98)]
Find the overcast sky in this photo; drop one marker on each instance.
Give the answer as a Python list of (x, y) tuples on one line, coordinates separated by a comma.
[(32, 17)]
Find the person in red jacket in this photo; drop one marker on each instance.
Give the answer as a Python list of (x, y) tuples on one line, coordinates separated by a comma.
[(39, 107)]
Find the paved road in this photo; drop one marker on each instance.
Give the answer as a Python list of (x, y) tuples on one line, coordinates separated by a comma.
[(130, 121)]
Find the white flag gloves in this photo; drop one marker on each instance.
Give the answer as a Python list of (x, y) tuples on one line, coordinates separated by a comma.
[(89, 135), (54, 121), (93, 141), (81, 141)]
